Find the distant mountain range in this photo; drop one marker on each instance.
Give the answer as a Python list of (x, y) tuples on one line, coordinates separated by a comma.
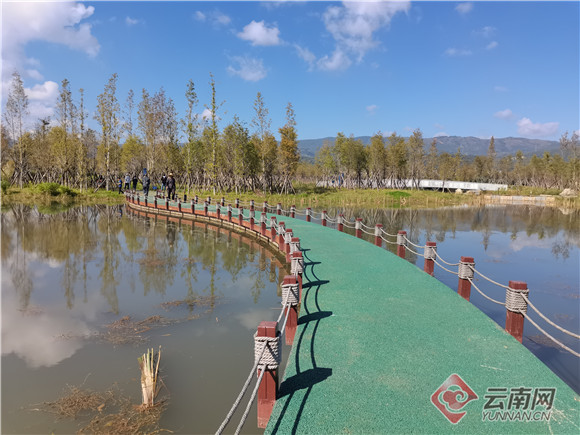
[(470, 146)]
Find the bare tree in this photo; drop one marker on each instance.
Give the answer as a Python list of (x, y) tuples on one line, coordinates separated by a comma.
[(15, 114)]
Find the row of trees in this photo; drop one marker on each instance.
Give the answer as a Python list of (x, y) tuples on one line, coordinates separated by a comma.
[(146, 134), (389, 161), (150, 134)]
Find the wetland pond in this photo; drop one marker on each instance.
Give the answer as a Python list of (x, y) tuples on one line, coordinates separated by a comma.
[(71, 278)]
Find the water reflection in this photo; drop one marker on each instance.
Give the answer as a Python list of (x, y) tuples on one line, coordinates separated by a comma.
[(65, 276)]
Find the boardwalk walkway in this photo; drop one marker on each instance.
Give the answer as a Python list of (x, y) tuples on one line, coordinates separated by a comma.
[(376, 338)]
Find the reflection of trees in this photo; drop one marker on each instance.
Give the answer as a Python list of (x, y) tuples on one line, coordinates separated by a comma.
[(442, 222)]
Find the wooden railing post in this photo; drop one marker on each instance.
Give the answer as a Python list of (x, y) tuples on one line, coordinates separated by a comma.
[(273, 228), (358, 228), (288, 234), (252, 214), (265, 207), (323, 218), (378, 240), (430, 253), (308, 211), (465, 273), (263, 224), (339, 223), (281, 236), (268, 388), (515, 305), (229, 212), (293, 211), (279, 209), (241, 216), (401, 243), (291, 295)]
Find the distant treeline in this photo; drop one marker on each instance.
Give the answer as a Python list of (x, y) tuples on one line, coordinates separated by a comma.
[(149, 133)]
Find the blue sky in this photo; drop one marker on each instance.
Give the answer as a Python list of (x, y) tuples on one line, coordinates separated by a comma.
[(448, 68)]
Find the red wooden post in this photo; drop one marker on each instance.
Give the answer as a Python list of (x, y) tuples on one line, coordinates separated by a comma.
[(293, 211), (273, 228), (237, 202), (269, 386), (223, 202), (205, 208), (252, 214), (145, 201), (279, 209), (430, 250), (308, 210), (296, 267), (378, 240), (339, 222), (178, 205), (263, 224), (281, 236), (323, 218), (167, 203), (290, 284), (465, 273), (515, 304), (358, 227), (229, 212), (265, 207), (401, 243), (218, 211), (287, 238), (155, 202)]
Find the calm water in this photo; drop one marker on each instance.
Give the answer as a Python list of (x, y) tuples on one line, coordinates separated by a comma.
[(66, 275), (538, 245)]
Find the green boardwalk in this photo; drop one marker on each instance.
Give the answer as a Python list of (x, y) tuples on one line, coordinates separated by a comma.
[(377, 337)]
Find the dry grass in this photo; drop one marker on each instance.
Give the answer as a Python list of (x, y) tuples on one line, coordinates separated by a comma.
[(127, 331), (77, 402), (191, 302)]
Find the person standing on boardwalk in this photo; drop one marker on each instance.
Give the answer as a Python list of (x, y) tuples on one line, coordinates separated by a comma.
[(127, 182), (163, 182), (120, 185), (146, 183), (171, 186), (135, 180)]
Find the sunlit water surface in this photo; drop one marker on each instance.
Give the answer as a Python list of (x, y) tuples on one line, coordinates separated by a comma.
[(66, 276)]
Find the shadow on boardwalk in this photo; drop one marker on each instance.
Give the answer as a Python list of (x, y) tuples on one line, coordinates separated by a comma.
[(311, 316)]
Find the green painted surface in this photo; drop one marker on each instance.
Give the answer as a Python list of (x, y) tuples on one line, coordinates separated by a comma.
[(377, 337)]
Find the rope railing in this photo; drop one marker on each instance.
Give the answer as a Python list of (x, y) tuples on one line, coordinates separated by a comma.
[(484, 295), (565, 331), (466, 269)]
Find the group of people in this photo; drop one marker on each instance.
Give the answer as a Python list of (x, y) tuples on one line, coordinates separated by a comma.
[(167, 184)]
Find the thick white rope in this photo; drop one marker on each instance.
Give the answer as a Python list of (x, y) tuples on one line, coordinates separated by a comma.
[(416, 253), (389, 241), (366, 232), (416, 246), (388, 234), (250, 402), (444, 268), (565, 331), (488, 279), (242, 393), (550, 337), (484, 295), (443, 261)]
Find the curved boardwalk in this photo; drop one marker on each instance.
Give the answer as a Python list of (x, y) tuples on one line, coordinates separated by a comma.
[(377, 337)]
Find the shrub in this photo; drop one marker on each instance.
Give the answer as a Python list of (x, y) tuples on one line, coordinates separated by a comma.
[(398, 194), (50, 188), (5, 185)]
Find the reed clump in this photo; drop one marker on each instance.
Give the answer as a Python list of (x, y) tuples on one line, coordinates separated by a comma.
[(149, 365)]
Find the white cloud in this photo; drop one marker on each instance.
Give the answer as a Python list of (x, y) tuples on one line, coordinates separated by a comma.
[(258, 33), (577, 132), (440, 134), (491, 45), (248, 68), (216, 17), (527, 128), (456, 52), (464, 8), (352, 25), (338, 61), (504, 114), (59, 23), (372, 108), (131, 21), (42, 100), (486, 31), (305, 54), (206, 114)]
